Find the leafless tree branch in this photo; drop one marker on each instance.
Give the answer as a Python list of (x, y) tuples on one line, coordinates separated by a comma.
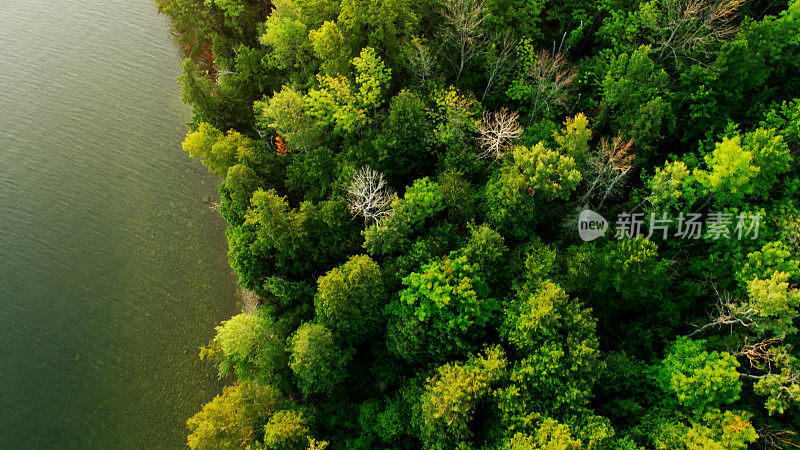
[(606, 170), (421, 60), (777, 439), (693, 26), (551, 76), (501, 61), (463, 20), (497, 132), (728, 314), (369, 196), (759, 353)]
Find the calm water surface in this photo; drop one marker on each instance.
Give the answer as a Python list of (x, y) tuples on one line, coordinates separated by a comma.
[(112, 268)]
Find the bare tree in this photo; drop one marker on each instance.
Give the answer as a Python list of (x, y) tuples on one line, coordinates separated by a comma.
[(500, 60), (758, 354), (688, 26), (769, 357), (551, 77), (497, 132), (777, 439), (421, 61), (728, 313), (463, 21), (369, 195), (606, 170)]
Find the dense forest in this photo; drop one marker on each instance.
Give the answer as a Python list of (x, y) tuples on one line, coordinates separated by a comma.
[(502, 224)]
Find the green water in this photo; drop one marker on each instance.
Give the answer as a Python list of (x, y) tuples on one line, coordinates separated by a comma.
[(112, 269)]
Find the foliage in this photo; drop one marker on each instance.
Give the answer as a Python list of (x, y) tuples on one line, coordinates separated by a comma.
[(554, 336), (350, 298), (286, 430), (286, 114), (402, 186), (339, 103), (230, 419), (451, 396), (730, 172), (316, 361), (520, 189), (250, 346), (636, 93), (715, 430), (700, 381), (441, 312), (403, 144), (218, 152)]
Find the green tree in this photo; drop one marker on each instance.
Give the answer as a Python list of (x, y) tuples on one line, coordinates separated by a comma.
[(519, 191), (249, 346), (278, 228), (230, 419), (402, 146), (422, 202), (673, 186), (350, 299), (329, 48), (785, 119), (345, 106), (458, 195), (714, 430), (442, 311), (774, 302), (286, 32), (730, 173), (286, 430), (698, 380), (485, 248), (573, 140), (311, 174), (551, 435), (380, 25), (217, 151), (450, 399), (636, 96), (286, 114), (240, 184), (218, 104), (554, 336), (241, 16), (453, 114), (632, 267), (770, 155), (317, 362)]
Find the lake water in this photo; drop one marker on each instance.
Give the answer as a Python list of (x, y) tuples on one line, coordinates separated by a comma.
[(112, 268)]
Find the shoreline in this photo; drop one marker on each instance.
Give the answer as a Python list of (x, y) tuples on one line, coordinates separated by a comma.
[(247, 299)]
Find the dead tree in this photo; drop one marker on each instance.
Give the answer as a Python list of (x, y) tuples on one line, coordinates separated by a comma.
[(551, 77), (607, 168), (728, 314), (777, 439), (463, 20), (421, 61), (497, 132), (500, 60), (758, 354), (369, 196), (688, 26)]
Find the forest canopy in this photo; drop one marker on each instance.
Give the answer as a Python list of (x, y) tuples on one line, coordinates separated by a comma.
[(502, 224)]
